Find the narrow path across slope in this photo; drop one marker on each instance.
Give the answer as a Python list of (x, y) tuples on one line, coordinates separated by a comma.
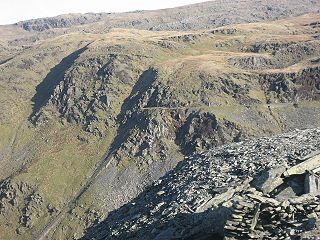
[(272, 106)]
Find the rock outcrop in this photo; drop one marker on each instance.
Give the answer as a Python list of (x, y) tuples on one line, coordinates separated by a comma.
[(11, 195)]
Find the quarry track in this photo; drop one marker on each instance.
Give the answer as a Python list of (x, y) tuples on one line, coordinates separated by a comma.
[(271, 106)]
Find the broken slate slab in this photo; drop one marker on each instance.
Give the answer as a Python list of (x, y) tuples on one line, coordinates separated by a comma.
[(301, 168)]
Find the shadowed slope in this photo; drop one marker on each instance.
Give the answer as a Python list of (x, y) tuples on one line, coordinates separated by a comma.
[(47, 86)]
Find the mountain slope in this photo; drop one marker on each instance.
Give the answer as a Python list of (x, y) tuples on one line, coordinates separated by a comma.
[(88, 120)]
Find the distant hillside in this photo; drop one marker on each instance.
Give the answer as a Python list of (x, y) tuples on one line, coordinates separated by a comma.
[(192, 17)]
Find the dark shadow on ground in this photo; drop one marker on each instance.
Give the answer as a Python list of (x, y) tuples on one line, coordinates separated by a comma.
[(5, 61), (129, 121), (45, 89), (185, 225)]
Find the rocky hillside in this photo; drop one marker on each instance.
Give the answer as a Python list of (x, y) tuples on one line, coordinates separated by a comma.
[(90, 117), (192, 17), (237, 191), (206, 15)]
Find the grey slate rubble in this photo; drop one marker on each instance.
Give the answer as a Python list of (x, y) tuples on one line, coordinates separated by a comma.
[(223, 193), (266, 219)]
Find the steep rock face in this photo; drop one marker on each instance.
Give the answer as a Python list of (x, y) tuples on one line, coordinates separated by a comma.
[(195, 199), (153, 135), (254, 62), (81, 97), (294, 53), (88, 93), (204, 131), (282, 55), (155, 118), (290, 87)]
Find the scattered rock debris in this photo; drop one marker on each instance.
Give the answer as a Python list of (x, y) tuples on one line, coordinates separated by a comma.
[(259, 189)]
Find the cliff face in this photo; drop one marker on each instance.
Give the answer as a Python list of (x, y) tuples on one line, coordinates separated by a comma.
[(89, 120)]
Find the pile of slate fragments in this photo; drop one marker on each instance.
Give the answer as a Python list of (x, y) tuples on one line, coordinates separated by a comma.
[(266, 188), (282, 204)]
